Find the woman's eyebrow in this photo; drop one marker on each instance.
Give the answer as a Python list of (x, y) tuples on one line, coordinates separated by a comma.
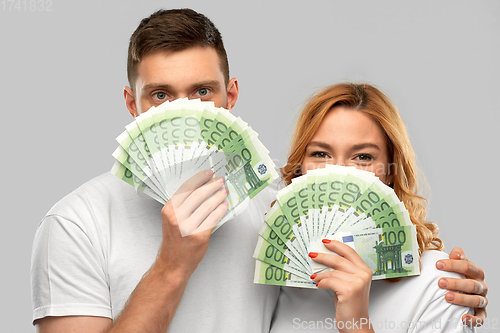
[(365, 145), (320, 144), (355, 147)]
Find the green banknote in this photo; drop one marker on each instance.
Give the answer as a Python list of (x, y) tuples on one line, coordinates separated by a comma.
[(341, 203), (170, 143), (284, 230), (269, 254), (397, 255), (269, 274)]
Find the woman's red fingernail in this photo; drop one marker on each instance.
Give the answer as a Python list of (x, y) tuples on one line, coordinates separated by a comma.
[(326, 241), (313, 254), (313, 276)]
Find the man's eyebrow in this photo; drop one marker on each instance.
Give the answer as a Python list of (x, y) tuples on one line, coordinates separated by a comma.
[(207, 83), (152, 86)]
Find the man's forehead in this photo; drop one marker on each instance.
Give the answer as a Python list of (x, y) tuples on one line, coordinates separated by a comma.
[(193, 64)]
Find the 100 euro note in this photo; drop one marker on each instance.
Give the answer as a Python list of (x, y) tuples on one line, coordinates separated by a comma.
[(386, 259), (167, 145), (333, 203)]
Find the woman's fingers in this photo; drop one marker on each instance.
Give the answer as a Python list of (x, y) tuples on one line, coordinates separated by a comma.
[(347, 259), (337, 275), (346, 285), (333, 261)]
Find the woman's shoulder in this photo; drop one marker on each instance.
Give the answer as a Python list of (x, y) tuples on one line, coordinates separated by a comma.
[(429, 274), (424, 302), (428, 278), (428, 261)]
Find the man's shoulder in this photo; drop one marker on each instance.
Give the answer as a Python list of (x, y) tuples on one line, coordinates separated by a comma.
[(104, 183), (101, 192)]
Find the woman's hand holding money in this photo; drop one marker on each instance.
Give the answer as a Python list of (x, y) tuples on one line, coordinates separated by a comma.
[(351, 281)]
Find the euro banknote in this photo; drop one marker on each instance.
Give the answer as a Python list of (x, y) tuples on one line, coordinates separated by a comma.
[(168, 144), (336, 203)]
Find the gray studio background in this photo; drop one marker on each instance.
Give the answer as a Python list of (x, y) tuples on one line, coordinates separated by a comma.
[(61, 99)]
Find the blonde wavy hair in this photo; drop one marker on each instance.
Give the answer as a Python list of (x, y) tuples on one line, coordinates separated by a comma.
[(402, 165)]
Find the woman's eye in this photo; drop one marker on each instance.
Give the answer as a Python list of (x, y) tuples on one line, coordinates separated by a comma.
[(320, 154), (160, 95), (364, 157)]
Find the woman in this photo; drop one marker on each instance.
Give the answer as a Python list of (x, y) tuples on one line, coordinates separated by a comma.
[(357, 125)]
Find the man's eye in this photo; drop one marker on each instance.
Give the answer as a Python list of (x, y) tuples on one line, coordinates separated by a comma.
[(160, 95), (203, 92)]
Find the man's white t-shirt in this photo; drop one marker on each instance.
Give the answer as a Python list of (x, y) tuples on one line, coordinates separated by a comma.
[(93, 247), (412, 304)]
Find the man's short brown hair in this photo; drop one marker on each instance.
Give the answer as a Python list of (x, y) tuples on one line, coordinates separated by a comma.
[(174, 30)]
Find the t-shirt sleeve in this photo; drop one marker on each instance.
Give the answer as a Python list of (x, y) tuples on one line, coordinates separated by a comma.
[(68, 275), (435, 313), (440, 316)]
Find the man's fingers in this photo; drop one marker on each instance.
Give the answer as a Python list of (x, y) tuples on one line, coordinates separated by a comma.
[(458, 254), (464, 267), (475, 321), (208, 206), (464, 285), (190, 185), (207, 210), (201, 195), (473, 301), (211, 221)]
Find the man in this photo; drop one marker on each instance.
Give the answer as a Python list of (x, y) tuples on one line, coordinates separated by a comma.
[(106, 260)]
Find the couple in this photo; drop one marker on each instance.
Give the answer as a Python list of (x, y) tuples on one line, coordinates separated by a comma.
[(109, 259)]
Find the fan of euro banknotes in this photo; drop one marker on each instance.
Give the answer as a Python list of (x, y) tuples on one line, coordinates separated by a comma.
[(338, 203), (168, 144)]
